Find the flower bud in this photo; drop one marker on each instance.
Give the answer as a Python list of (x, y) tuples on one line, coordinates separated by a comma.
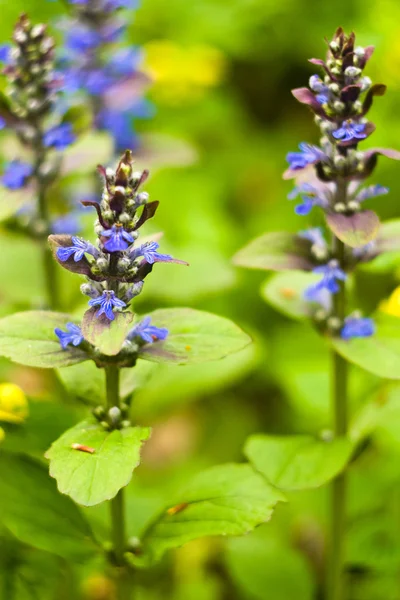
[(334, 323), (142, 198), (334, 88), (99, 412), (125, 423), (340, 207), (102, 264), (352, 72), (105, 425), (124, 218), (354, 206), (115, 415), (339, 106), (123, 264)]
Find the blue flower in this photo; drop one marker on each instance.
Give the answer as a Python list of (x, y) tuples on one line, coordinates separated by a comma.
[(310, 196), (82, 39), (309, 155), (120, 125), (372, 191), (125, 61), (322, 98), (97, 81), (3, 124), (5, 53), (59, 137), (107, 302), (150, 254), (78, 249), (118, 239), (147, 332), (73, 335), (16, 174), (356, 327), (331, 274), (350, 130), (317, 85)]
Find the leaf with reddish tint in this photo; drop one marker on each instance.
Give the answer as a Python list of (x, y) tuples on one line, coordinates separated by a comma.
[(149, 210), (276, 252), (82, 266), (305, 96), (356, 230), (379, 89), (107, 336), (194, 337)]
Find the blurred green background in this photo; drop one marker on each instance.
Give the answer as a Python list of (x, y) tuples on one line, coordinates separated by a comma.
[(223, 71)]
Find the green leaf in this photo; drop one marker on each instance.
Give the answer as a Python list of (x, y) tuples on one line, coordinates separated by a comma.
[(378, 354), (97, 475), (285, 292), (28, 338), (225, 500), (11, 201), (194, 337), (107, 336), (36, 514), (356, 230), (80, 118), (275, 252), (265, 563), (297, 462)]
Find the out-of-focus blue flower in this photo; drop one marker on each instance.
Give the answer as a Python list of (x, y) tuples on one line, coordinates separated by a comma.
[(120, 125), (73, 335), (310, 196), (82, 39), (331, 274), (372, 191), (350, 130), (125, 61), (5, 53), (3, 124), (78, 250), (16, 174), (308, 155), (147, 332), (97, 81), (59, 137), (357, 327), (68, 224), (118, 239), (107, 302)]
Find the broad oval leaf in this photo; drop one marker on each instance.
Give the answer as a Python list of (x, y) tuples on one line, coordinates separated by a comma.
[(107, 336), (378, 354), (297, 462), (228, 499), (194, 337), (28, 338), (275, 252), (33, 510), (356, 230), (285, 292), (95, 475)]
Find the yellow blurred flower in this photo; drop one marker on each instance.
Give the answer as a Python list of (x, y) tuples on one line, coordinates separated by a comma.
[(391, 306), (181, 73), (13, 403)]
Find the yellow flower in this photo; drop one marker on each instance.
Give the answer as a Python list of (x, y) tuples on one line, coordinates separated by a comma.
[(391, 306), (182, 73), (13, 403)]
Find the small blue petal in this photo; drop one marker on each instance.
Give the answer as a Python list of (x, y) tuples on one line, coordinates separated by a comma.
[(355, 327)]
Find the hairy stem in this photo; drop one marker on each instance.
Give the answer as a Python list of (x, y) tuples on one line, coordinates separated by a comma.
[(117, 504), (336, 587)]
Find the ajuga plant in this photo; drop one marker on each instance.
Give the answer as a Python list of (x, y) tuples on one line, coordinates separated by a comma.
[(30, 108), (321, 261), (99, 69), (94, 461)]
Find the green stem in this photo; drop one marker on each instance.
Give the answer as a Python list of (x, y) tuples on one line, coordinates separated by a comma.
[(117, 504), (336, 587)]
